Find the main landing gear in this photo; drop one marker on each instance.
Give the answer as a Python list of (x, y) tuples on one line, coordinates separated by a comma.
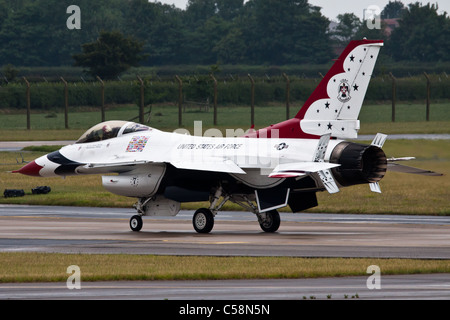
[(203, 220), (269, 221)]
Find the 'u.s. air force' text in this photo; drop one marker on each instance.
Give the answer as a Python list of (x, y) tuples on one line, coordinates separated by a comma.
[(210, 146)]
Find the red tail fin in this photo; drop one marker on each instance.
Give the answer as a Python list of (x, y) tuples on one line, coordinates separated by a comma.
[(335, 104)]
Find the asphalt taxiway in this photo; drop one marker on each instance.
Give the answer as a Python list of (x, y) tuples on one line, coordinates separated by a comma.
[(433, 287), (106, 230)]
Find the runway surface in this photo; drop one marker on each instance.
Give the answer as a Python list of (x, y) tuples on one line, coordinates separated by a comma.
[(106, 230), (434, 287)]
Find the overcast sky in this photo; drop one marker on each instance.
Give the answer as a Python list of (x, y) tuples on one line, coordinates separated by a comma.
[(331, 8)]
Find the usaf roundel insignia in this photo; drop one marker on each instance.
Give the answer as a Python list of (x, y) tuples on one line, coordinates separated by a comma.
[(281, 146)]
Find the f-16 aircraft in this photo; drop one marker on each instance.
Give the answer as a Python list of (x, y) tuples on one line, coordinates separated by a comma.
[(282, 165)]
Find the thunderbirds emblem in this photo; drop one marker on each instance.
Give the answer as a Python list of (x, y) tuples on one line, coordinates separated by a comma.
[(344, 91)]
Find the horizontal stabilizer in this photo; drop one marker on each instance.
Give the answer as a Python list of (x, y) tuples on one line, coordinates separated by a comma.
[(395, 167), (209, 164), (289, 170), (401, 159)]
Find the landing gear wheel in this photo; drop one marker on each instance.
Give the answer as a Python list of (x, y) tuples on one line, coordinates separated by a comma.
[(203, 221), (136, 223), (272, 221)]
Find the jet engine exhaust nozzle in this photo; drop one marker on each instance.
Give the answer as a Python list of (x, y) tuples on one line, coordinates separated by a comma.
[(360, 163)]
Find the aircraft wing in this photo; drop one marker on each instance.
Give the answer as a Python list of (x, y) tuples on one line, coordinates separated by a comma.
[(214, 164), (289, 170), (395, 167)]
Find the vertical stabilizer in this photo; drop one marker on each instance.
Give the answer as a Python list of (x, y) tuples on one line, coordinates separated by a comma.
[(334, 106)]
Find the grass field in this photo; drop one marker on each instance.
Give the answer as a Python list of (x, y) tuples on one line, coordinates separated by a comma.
[(374, 118), (47, 267), (402, 193)]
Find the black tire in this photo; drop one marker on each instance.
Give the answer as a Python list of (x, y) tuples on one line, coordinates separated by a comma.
[(272, 222), (136, 223), (203, 221)]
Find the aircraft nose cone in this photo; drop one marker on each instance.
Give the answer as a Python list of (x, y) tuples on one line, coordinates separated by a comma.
[(31, 169)]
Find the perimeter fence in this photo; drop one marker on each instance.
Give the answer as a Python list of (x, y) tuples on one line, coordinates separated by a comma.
[(205, 92)]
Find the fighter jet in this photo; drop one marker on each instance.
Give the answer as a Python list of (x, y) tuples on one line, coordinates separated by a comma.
[(285, 164)]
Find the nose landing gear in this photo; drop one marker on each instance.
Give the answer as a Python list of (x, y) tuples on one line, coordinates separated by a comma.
[(136, 223)]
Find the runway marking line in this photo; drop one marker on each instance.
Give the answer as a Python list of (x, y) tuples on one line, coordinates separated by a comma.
[(205, 242), (220, 286)]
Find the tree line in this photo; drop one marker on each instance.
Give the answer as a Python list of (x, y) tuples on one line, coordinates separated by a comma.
[(257, 32)]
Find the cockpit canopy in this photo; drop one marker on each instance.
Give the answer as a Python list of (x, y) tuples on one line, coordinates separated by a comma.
[(110, 129)]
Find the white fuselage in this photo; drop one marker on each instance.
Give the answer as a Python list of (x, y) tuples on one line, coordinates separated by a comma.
[(184, 151)]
